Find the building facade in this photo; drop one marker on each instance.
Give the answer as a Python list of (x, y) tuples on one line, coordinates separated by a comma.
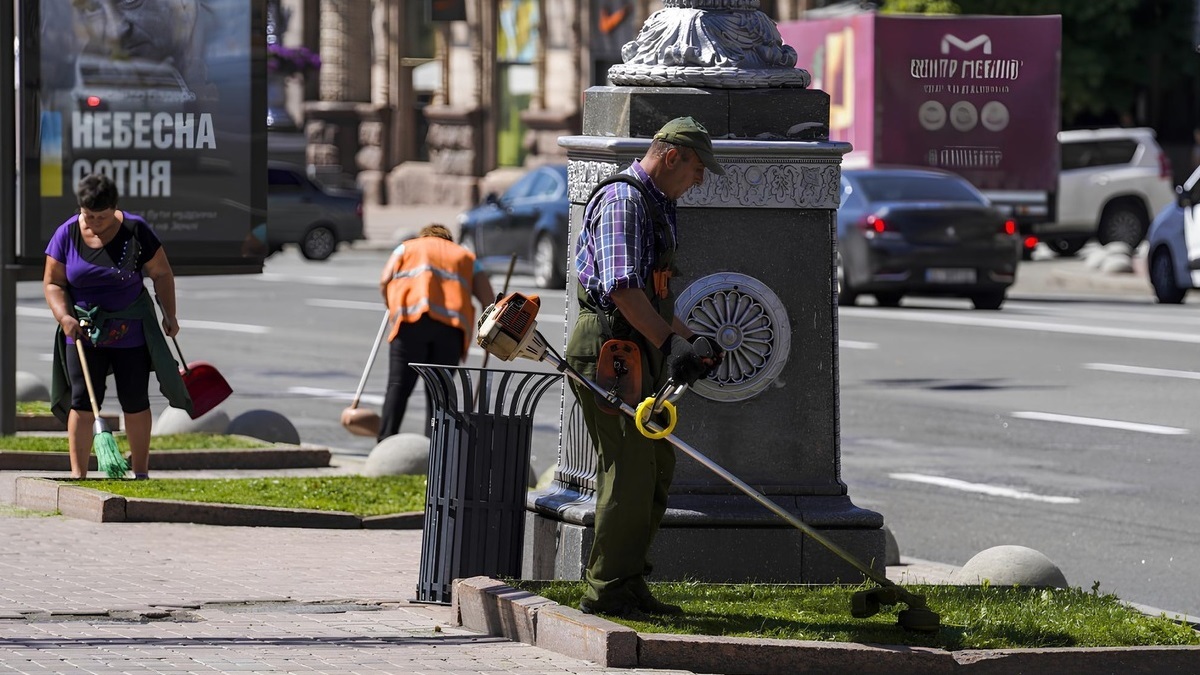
[(442, 101)]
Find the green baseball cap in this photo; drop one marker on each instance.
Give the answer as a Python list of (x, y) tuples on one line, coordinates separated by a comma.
[(687, 132)]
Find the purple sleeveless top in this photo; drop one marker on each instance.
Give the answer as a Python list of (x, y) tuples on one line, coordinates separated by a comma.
[(109, 277)]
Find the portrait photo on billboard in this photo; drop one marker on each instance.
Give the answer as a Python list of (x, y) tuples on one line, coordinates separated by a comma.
[(160, 95)]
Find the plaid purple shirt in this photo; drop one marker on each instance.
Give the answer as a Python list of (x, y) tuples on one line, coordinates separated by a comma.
[(616, 243)]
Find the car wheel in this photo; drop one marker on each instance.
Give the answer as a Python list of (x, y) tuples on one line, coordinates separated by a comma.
[(990, 300), (888, 299), (1162, 278), (547, 263), (318, 243), (1121, 222), (1066, 247)]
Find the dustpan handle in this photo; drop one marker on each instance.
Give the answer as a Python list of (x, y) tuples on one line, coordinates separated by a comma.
[(175, 342)]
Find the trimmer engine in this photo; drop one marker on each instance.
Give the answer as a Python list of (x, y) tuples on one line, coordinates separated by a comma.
[(508, 329)]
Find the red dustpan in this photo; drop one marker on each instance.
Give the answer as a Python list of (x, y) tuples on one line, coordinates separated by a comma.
[(205, 385)]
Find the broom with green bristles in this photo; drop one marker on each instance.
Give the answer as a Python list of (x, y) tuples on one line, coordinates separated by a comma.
[(108, 457)]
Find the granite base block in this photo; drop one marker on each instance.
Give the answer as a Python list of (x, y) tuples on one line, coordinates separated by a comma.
[(36, 494), (556, 550)]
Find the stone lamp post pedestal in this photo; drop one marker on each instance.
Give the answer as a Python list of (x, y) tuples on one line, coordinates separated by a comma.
[(757, 258)]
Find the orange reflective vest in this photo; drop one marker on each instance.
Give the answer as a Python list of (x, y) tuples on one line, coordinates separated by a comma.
[(433, 276)]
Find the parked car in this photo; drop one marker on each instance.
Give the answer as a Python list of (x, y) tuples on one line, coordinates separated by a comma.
[(1174, 244), (310, 213), (914, 231), (1110, 185), (530, 220)]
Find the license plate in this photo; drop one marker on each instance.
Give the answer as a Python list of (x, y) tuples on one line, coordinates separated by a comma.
[(950, 276)]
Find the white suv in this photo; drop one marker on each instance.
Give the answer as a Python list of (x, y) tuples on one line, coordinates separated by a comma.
[(1111, 184)]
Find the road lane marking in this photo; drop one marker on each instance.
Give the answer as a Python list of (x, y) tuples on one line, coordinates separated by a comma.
[(854, 344), (1018, 324), (1140, 370), (376, 306), (317, 392), (35, 313), (982, 488), (1103, 423), (305, 279)]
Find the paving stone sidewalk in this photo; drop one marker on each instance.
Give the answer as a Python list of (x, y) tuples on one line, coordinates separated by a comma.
[(67, 588)]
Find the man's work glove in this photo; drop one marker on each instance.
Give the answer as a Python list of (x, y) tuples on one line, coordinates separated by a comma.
[(710, 353), (684, 365)]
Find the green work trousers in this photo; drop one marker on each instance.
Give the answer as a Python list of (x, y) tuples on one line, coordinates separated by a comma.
[(633, 476)]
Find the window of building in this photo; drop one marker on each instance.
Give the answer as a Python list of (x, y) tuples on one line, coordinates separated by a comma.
[(516, 45)]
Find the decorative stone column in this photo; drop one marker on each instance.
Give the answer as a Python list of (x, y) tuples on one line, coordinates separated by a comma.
[(757, 258), (332, 123)]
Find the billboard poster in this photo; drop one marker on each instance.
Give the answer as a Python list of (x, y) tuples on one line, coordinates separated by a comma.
[(974, 95), (165, 96), (839, 55)]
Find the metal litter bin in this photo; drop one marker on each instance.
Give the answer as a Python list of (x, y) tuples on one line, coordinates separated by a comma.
[(482, 430)]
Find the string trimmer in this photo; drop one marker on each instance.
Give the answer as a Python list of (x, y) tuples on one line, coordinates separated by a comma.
[(508, 330)]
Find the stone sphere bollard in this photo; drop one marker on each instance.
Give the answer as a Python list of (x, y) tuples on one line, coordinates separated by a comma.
[(265, 425), (399, 455), (176, 421), (31, 388), (1010, 566), (891, 550)]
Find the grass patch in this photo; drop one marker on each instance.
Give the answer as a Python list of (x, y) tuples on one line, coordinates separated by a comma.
[(192, 441), (33, 407), (973, 617), (359, 495)]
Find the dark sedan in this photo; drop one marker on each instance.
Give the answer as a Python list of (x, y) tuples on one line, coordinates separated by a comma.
[(922, 232), (528, 220), (313, 215)]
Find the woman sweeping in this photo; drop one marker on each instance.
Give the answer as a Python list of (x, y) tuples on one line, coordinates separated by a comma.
[(96, 264)]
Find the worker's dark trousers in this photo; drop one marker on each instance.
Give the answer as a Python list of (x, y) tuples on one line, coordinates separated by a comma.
[(425, 340)]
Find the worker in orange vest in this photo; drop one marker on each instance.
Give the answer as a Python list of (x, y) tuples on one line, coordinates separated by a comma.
[(427, 283)]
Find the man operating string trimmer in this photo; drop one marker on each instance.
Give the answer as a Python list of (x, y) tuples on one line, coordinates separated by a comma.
[(627, 331)]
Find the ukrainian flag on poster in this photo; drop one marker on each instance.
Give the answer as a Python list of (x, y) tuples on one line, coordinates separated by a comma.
[(52, 156)]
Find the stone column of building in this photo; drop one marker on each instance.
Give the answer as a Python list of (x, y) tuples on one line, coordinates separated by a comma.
[(757, 259), (332, 123)]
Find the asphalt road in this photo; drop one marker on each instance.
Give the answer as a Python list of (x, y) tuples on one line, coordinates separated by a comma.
[(1063, 422)]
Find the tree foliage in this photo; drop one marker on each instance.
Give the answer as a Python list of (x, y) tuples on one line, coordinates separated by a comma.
[(1119, 57)]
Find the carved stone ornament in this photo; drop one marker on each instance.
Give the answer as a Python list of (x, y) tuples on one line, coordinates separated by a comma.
[(751, 182), (708, 43), (749, 321)]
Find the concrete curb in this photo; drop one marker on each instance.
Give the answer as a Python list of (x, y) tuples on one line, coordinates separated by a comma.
[(489, 606), (76, 501), (283, 457)]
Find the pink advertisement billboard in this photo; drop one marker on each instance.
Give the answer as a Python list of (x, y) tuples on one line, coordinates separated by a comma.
[(839, 54), (974, 95)]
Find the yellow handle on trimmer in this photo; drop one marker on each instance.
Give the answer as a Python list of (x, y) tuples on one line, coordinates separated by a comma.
[(642, 415)]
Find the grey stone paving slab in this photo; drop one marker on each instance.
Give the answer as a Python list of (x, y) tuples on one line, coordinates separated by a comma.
[(70, 566)]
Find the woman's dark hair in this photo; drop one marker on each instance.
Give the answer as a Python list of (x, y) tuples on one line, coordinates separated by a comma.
[(97, 192)]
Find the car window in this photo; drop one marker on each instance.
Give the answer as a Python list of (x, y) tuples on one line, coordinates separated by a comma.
[(523, 187), (895, 188), (282, 181), (1098, 153), (546, 185)]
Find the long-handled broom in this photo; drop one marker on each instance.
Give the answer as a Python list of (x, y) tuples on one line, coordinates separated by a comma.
[(108, 457)]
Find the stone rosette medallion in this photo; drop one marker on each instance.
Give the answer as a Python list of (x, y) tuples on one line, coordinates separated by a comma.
[(709, 43), (750, 323)]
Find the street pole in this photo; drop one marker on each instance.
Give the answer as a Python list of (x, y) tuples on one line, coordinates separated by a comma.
[(8, 225)]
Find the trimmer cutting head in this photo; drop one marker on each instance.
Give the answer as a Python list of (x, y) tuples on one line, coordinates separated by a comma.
[(508, 328), (918, 617)]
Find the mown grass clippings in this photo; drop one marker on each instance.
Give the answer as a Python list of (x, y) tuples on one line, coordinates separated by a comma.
[(9, 511), (972, 617), (167, 442), (360, 495)]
